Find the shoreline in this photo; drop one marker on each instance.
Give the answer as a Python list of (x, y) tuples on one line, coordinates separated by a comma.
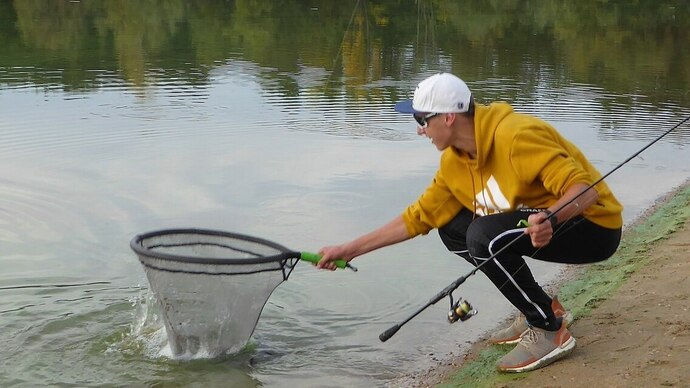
[(581, 289)]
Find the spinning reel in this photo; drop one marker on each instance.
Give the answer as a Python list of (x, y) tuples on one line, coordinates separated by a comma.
[(460, 310)]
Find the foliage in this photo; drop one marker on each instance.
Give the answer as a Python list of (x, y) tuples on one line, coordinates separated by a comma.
[(622, 47)]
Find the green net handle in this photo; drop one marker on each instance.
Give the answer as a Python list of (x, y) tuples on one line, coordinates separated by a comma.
[(315, 257)]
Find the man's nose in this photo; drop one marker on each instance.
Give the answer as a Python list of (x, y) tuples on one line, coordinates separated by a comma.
[(420, 131)]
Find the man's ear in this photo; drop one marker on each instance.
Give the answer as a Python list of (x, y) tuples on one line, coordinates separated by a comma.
[(450, 118)]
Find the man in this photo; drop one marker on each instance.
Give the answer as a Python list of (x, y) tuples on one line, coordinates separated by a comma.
[(498, 168)]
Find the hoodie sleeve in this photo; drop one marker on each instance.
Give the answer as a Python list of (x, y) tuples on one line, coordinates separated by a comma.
[(433, 209), (536, 154)]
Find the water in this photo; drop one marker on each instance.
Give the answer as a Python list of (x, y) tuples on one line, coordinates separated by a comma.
[(275, 120)]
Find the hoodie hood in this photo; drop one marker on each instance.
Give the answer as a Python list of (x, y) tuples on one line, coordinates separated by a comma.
[(487, 119)]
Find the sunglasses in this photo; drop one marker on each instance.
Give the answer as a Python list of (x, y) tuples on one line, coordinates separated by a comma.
[(423, 121)]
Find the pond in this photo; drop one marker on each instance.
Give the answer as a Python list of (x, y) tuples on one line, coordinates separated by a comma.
[(275, 119)]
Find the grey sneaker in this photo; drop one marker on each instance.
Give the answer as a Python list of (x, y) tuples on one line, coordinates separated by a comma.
[(513, 333), (537, 348)]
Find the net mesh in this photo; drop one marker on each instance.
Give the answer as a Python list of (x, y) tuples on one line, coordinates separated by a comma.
[(211, 286)]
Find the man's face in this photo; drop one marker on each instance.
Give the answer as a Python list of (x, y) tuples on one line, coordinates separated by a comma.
[(432, 126)]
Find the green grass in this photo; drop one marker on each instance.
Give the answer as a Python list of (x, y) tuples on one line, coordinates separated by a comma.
[(591, 287)]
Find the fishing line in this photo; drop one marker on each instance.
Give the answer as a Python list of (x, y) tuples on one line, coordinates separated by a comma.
[(459, 281)]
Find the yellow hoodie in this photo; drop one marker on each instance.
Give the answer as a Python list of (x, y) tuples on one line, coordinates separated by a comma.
[(522, 162)]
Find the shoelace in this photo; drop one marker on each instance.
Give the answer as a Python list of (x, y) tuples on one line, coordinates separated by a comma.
[(530, 337)]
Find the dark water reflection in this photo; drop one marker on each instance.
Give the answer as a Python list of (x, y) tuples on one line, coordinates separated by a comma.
[(359, 49), (275, 119)]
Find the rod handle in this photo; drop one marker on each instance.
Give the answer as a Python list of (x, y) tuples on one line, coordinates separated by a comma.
[(389, 333)]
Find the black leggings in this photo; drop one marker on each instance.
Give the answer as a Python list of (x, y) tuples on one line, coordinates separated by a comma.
[(577, 241)]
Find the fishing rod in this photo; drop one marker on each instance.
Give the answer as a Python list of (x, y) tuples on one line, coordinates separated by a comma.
[(462, 309)]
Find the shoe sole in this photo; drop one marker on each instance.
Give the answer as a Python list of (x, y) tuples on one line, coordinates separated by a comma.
[(567, 318), (511, 341), (554, 355)]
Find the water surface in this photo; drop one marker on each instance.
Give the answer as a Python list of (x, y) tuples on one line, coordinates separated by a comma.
[(275, 120)]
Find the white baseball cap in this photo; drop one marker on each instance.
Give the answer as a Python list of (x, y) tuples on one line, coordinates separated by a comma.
[(440, 93)]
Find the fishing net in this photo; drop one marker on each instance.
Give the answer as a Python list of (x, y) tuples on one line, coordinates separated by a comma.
[(211, 285)]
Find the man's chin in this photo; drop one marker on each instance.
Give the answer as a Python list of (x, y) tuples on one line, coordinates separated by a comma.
[(441, 147)]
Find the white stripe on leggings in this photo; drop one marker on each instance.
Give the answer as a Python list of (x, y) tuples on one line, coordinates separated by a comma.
[(467, 251), (508, 275)]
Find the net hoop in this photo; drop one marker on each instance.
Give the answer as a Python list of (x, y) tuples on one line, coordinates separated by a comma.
[(140, 248)]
